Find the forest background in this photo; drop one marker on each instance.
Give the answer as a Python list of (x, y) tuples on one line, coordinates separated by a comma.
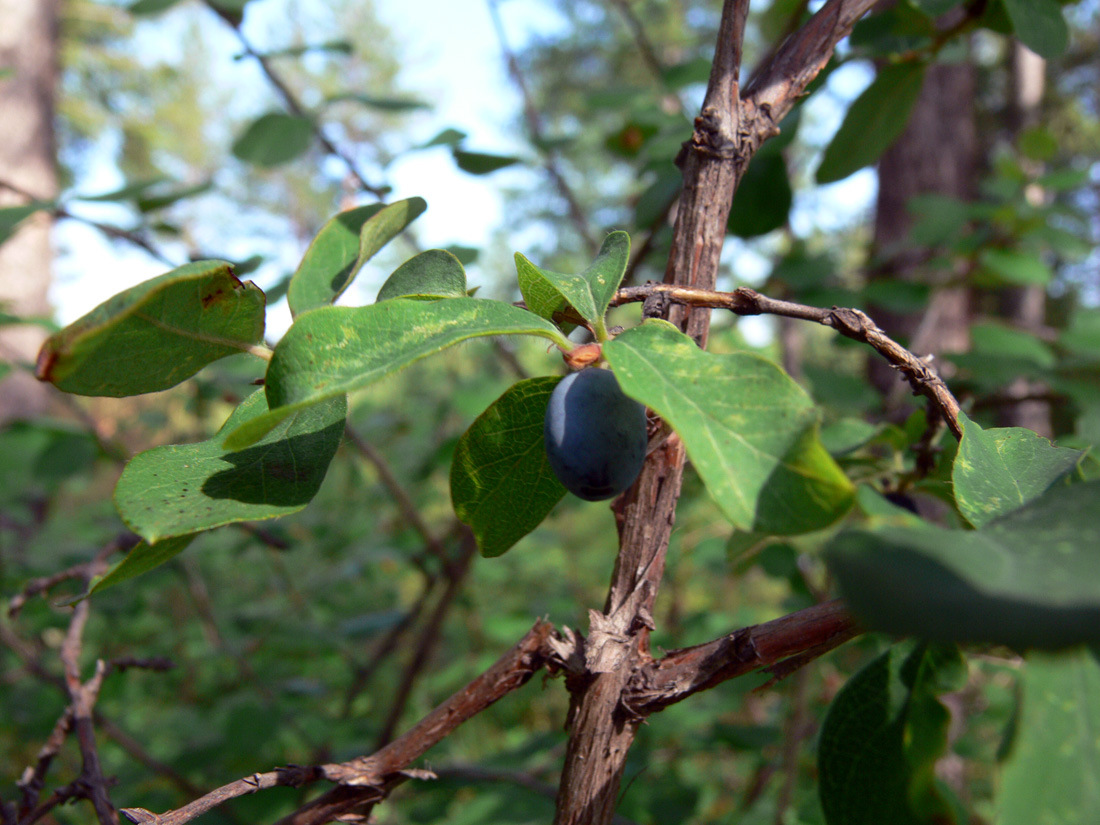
[(307, 639)]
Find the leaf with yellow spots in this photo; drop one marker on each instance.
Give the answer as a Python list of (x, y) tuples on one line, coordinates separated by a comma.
[(997, 471), (750, 431)]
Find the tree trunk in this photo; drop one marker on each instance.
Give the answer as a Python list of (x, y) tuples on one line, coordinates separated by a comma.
[(937, 153), (28, 48)]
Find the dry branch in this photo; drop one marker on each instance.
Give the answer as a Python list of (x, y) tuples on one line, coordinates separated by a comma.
[(370, 779), (682, 673)]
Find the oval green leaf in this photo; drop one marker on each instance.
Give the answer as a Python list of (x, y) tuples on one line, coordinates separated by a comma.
[(156, 334), (150, 6), (142, 558), (1040, 25), (750, 431), (1000, 470), (1029, 579), (875, 120), (274, 139), (12, 216), (1052, 771), (343, 245), (335, 350), (763, 199), (882, 735), (1007, 266), (382, 104), (548, 293), (501, 482), (181, 489), (433, 274), (481, 163)]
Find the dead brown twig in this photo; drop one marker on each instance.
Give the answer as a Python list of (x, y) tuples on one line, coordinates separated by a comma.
[(371, 778)]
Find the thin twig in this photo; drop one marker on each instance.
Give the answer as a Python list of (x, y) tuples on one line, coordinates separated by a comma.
[(371, 778), (82, 571), (61, 212), (34, 778), (398, 493), (645, 48), (429, 636), (83, 696), (385, 649), (534, 127), (851, 323), (296, 108)]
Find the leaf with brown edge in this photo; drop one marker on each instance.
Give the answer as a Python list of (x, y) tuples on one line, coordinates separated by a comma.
[(156, 334)]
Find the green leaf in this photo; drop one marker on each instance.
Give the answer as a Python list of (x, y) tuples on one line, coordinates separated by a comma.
[(897, 295), (994, 340), (466, 254), (335, 350), (12, 216), (384, 104), (336, 46), (447, 137), (656, 200), (1028, 579), (878, 508), (750, 431), (1063, 179), (150, 203), (181, 489), (154, 335), (427, 276), (501, 481), (344, 244), (150, 6), (142, 558), (547, 293), (1008, 266), (1082, 336), (882, 735), (897, 28), (763, 198), (874, 121), (480, 163), (1040, 25), (848, 434), (1052, 774), (937, 218), (936, 8), (273, 139), (231, 10), (127, 192), (997, 471)]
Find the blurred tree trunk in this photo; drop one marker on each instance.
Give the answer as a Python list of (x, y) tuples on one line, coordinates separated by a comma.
[(1025, 306), (938, 153), (28, 49)]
